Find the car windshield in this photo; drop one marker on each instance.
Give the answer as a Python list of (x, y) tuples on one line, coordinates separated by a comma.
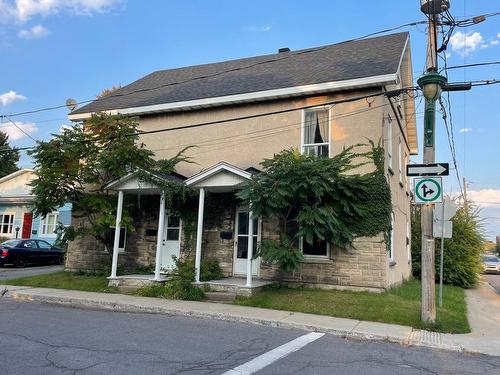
[(11, 243), (491, 259)]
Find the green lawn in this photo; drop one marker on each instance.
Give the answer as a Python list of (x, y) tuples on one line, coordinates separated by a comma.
[(400, 305), (66, 280)]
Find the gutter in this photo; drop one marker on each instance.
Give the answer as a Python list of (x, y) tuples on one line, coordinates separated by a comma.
[(385, 79)]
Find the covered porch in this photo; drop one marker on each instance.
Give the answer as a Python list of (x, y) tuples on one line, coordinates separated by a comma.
[(167, 233), (245, 232)]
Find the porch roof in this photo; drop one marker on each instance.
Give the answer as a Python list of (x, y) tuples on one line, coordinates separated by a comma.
[(220, 177), (131, 183)]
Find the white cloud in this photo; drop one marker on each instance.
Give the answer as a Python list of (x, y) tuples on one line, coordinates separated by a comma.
[(257, 29), (10, 97), (465, 130), (13, 131), (24, 10), (36, 32), (485, 197), (495, 42), (466, 43)]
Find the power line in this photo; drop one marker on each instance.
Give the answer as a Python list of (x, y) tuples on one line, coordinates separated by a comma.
[(287, 56), (472, 65), (257, 115)]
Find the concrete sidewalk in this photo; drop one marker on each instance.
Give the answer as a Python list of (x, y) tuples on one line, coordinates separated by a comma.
[(349, 328)]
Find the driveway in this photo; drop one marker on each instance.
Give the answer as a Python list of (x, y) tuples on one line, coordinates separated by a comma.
[(494, 281), (10, 272)]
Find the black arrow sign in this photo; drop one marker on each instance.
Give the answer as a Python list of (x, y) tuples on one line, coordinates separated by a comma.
[(427, 191), (436, 169)]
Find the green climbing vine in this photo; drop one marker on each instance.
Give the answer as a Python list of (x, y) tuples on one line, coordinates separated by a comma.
[(320, 198)]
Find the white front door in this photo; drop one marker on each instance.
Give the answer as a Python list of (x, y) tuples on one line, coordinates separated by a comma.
[(241, 244), (171, 244)]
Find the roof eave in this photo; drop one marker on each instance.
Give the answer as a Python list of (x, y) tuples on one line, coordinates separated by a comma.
[(319, 88)]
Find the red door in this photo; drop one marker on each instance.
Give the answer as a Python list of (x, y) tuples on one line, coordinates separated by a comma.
[(27, 222)]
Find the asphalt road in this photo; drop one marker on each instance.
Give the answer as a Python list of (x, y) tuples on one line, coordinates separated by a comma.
[(44, 339), (10, 272), (493, 280)]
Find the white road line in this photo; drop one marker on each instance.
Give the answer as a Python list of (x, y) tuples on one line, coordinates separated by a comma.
[(274, 355)]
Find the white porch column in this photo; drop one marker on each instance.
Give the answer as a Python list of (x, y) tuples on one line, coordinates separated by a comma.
[(116, 243), (159, 240), (250, 249), (199, 234)]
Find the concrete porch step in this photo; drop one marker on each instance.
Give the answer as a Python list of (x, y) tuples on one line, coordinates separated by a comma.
[(222, 297)]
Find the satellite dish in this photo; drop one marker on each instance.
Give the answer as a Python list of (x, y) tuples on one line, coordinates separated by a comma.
[(71, 104)]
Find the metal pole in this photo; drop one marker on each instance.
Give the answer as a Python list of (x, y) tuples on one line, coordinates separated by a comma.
[(428, 312), (441, 266)]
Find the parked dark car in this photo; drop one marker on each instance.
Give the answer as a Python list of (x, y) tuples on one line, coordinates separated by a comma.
[(22, 252)]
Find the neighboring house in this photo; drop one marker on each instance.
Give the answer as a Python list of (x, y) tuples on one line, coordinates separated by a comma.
[(229, 152), (16, 216)]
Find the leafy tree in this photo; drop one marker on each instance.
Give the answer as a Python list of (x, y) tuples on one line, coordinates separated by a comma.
[(319, 198), (76, 165), (8, 156), (462, 262)]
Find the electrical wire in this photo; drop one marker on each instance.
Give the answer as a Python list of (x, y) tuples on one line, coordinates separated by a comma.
[(286, 56), (258, 115), (473, 65)]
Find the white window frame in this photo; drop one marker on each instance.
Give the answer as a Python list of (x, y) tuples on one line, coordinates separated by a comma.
[(389, 143), (311, 257), (302, 127), (400, 161), (391, 248), (2, 223), (122, 249), (408, 236), (42, 225)]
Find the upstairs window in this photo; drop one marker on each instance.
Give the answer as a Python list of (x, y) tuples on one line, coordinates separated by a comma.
[(400, 162), (389, 142), (316, 132)]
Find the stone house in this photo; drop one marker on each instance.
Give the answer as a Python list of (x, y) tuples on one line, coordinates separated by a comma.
[(239, 112)]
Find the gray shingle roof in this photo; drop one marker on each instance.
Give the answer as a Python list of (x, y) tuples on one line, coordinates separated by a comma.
[(336, 62)]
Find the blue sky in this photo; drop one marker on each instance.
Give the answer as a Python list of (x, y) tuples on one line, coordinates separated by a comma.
[(53, 50)]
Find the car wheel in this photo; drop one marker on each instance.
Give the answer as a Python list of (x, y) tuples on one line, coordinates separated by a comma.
[(20, 263), (60, 260)]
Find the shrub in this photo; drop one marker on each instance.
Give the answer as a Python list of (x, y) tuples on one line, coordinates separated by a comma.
[(179, 286), (462, 262), (210, 270)]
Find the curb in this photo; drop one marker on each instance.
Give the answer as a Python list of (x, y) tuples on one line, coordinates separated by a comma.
[(403, 335)]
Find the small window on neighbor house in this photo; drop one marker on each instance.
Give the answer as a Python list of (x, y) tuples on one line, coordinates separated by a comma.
[(316, 132), (389, 142), (48, 224), (6, 223), (319, 248)]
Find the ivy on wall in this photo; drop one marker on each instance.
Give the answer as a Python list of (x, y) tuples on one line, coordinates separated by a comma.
[(320, 198)]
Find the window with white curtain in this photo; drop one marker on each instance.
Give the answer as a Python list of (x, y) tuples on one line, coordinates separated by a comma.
[(316, 132)]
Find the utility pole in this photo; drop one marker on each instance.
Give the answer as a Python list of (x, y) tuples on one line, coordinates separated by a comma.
[(431, 84)]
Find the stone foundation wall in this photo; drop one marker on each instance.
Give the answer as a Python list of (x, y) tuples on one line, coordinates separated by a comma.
[(362, 266)]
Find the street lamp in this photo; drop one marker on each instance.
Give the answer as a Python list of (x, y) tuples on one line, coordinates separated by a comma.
[(432, 84)]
